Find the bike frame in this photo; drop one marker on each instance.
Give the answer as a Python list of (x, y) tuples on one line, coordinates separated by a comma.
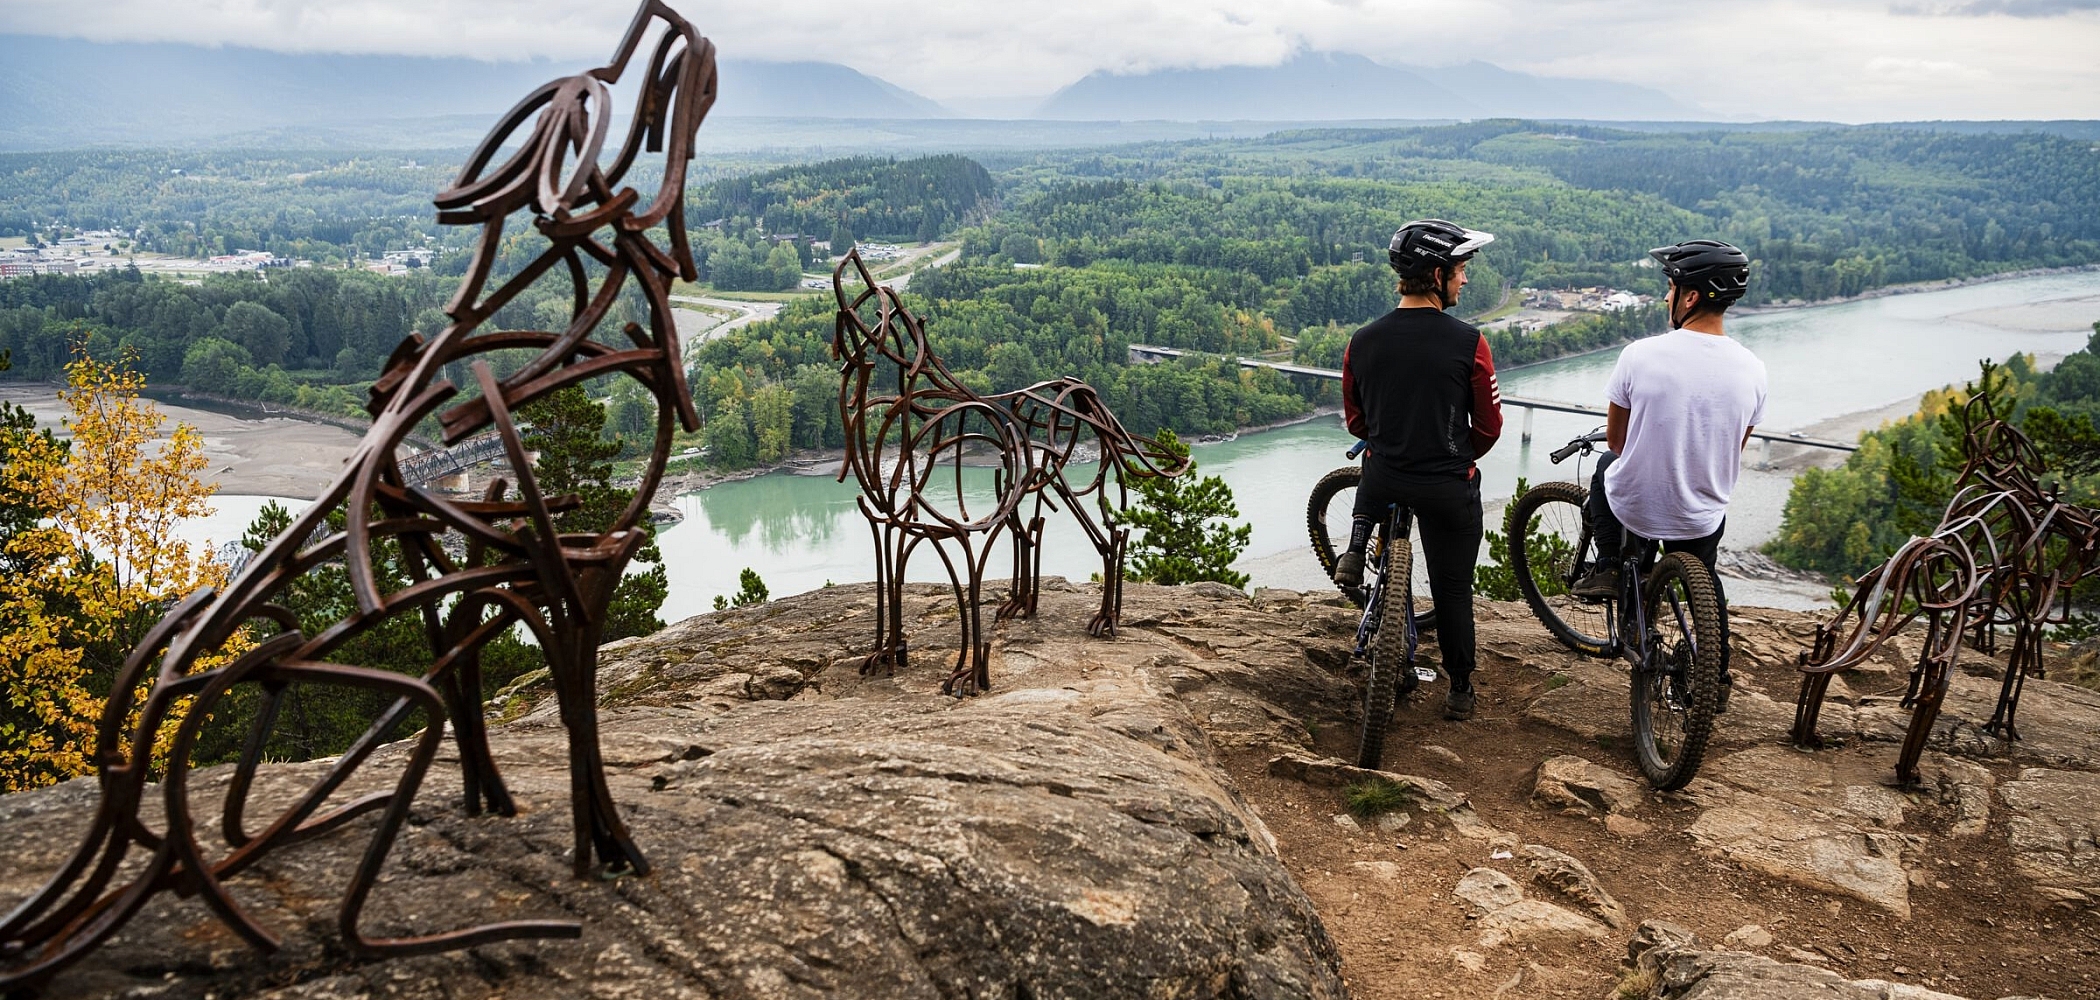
[(1641, 644), (1637, 645)]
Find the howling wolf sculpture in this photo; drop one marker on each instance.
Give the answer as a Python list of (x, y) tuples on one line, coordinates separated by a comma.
[(506, 565)]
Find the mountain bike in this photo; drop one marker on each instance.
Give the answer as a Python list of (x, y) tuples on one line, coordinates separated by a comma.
[(1389, 631), (1667, 622)]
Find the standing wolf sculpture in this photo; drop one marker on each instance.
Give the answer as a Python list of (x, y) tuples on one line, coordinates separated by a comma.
[(911, 428), (2000, 556), (506, 565)]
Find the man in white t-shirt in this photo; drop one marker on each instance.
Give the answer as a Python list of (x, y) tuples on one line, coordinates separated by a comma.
[(1683, 404)]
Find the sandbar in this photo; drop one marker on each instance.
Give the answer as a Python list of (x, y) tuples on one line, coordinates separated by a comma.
[(271, 456)]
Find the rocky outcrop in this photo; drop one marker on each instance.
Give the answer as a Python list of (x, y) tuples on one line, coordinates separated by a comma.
[(1106, 822), (814, 834), (1576, 785), (1794, 816), (2054, 831), (1574, 881), (1666, 962), (1506, 915)]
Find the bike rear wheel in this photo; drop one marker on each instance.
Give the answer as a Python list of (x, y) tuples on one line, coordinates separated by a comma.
[(1328, 515), (1549, 549), (1390, 674), (1676, 687)]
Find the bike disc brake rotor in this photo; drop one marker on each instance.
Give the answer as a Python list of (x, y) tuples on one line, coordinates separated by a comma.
[(1675, 667)]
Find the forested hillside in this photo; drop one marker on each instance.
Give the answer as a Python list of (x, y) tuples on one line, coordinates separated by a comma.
[(1226, 246), (916, 199), (1825, 213), (1837, 212)]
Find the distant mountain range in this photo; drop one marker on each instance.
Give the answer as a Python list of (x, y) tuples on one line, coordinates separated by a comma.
[(1332, 85), (71, 94), (66, 93)]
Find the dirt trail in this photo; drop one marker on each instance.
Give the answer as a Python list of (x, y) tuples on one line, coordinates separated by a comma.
[(1977, 924)]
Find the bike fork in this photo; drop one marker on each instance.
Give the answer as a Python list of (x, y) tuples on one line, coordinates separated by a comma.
[(1374, 603), (1363, 627)]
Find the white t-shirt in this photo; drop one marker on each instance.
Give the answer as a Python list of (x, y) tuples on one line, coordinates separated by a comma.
[(1693, 397)]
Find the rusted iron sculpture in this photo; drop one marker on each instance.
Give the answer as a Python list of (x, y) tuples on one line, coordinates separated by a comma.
[(517, 569), (911, 428), (1999, 558)]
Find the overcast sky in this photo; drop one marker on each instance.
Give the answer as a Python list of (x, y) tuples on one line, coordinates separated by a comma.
[(1843, 60)]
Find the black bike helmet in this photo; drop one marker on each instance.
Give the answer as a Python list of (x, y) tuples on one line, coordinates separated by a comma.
[(1719, 272), (1426, 244)]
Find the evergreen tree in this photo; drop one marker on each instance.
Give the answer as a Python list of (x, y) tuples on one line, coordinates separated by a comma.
[(1186, 535), (750, 590), (568, 432), (1496, 579)]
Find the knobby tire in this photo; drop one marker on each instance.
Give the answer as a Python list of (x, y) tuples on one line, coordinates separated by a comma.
[(1384, 681), (1679, 570), (1323, 493)]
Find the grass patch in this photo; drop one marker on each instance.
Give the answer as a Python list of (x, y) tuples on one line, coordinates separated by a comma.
[(1634, 984), (1375, 797), (2083, 671), (1557, 681)]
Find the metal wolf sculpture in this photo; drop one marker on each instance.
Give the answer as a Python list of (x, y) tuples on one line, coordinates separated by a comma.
[(911, 427), (516, 568), (1999, 557)]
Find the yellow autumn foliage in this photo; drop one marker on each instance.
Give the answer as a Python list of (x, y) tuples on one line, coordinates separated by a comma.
[(108, 564)]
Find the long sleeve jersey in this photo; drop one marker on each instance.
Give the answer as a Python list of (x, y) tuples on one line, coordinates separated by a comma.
[(1420, 387)]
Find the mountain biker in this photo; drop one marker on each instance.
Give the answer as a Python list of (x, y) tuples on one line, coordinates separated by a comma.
[(1683, 404), (1420, 387)]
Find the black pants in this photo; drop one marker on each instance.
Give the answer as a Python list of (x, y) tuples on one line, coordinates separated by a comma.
[(1610, 536), (1448, 511)]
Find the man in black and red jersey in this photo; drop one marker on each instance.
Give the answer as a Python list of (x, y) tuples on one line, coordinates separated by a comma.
[(1419, 386)]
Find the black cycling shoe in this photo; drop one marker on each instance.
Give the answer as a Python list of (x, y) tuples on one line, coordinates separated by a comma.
[(1458, 705), (1349, 570), (1602, 582)]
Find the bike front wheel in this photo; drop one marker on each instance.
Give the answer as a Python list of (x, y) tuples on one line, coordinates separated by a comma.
[(1390, 674), (1549, 549), (1678, 684)]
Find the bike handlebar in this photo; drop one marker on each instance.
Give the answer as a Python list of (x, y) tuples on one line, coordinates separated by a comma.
[(1582, 444), (1357, 449)]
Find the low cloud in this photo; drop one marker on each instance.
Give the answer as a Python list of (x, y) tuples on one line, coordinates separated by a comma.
[(2007, 8), (1846, 60), (1897, 69)]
